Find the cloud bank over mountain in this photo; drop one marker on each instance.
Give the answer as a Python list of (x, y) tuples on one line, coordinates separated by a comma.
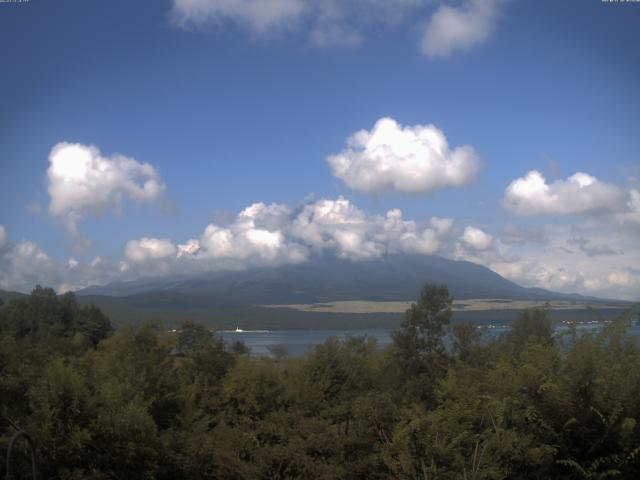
[(556, 257)]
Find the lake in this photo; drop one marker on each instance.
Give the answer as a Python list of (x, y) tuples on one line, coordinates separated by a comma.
[(299, 342)]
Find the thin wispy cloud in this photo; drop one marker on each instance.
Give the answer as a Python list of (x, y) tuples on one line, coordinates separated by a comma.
[(445, 28), (460, 28)]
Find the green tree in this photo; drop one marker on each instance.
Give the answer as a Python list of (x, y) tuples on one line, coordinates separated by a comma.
[(419, 344), (466, 340), (533, 325)]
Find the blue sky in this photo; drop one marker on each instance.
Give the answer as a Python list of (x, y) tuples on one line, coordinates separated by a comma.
[(232, 103)]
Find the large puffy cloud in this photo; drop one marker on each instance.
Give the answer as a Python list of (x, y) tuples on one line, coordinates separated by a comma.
[(277, 234), (255, 237), (578, 194), (81, 180), (340, 226), (459, 28), (404, 159), (346, 22)]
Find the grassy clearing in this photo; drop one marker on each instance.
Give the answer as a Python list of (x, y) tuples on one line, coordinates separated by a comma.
[(467, 305)]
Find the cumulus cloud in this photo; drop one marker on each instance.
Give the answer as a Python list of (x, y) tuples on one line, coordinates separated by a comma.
[(340, 226), (346, 22), (476, 238), (149, 249), (80, 180), (22, 264), (459, 28), (403, 159), (276, 234), (254, 237), (579, 194), (25, 264), (335, 224)]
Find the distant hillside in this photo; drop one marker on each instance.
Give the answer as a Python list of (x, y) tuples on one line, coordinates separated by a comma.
[(394, 277), (5, 295), (230, 299), (172, 309)]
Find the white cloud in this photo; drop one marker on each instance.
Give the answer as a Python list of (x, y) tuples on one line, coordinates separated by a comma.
[(622, 278), (632, 214), (410, 160), (340, 226), (580, 193), (276, 234), (317, 223), (346, 22), (189, 248), (571, 259), (588, 269), (476, 238), (259, 16), (253, 238), (24, 264), (149, 249), (81, 180), (442, 225), (459, 28)]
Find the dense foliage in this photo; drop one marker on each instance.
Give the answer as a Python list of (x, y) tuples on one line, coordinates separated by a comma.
[(144, 403)]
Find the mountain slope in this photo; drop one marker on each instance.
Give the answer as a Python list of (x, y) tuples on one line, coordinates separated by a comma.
[(393, 277)]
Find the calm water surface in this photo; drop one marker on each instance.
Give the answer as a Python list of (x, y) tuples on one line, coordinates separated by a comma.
[(300, 342)]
